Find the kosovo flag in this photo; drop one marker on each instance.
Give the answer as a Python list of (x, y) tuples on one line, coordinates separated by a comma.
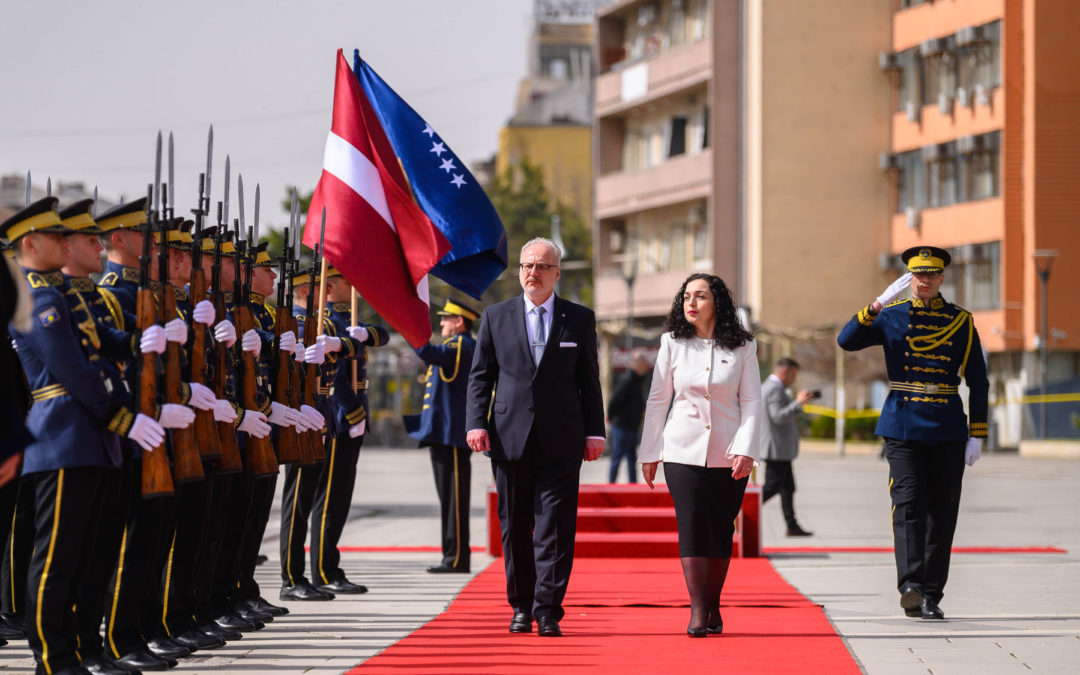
[(444, 189)]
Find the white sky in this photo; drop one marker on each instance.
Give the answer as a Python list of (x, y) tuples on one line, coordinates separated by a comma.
[(84, 86)]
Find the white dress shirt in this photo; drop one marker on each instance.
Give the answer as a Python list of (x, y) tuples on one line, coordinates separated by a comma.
[(714, 396)]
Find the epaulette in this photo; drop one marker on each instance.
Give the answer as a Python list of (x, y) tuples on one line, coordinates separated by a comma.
[(898, 302), (109, 279)]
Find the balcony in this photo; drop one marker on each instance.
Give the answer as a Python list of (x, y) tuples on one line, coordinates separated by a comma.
[(652, 294), (653, 78), (935, 126), (679, 179), (949, 226)]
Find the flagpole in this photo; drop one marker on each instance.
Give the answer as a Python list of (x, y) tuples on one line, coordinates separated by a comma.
[(352, 314)]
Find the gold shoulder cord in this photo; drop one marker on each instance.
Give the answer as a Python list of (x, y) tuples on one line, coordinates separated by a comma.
[(967, 351), (937, 338), (114, 307), (457, 364)]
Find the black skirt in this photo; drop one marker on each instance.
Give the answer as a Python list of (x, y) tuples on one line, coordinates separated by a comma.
[(707, 500)]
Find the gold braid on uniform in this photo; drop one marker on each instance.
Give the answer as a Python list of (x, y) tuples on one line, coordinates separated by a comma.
[(967, 351), (939, 337), (114, 307), (457, 364)]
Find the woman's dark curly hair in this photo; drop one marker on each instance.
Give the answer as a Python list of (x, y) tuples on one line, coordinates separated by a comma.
[(728, 331)]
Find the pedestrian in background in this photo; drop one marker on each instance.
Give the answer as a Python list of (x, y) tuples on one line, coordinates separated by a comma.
[(625, 412), (780, 438)]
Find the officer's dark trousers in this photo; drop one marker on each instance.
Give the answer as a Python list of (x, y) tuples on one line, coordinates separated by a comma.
[(262, 501), (65, 502), (238, 509), (924, 483), (453, 476), (220, 490), (181, 567), (16, 556), (538, 518), (127, 613), (107, 525), (296, 498), (330, 506), (780, 479)]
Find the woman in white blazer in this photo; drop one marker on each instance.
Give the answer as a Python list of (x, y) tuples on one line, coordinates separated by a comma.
[(701, 420)]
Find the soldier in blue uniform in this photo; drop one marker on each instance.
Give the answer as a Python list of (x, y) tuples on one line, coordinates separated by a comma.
[(929, 345), (441, 426)]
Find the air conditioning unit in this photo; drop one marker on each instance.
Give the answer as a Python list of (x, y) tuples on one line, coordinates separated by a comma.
[(966, 145), (888, 61), (982, 95), (913, 110), (885, 261), (932, 47), (888, 162), (912, 216), (969, 35), (963, 98), (945, 103)]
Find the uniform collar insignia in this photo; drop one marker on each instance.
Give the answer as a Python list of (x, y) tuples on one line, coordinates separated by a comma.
[(258, 299), (81, 284), (341, 307), (180, 293), (130, 274), (49, 278), (934, 303)]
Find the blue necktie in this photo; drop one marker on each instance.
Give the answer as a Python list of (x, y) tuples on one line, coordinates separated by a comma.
[(539, 339)]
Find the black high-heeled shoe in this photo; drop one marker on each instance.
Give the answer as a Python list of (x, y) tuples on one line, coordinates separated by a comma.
[(718, 627), (697, 632)]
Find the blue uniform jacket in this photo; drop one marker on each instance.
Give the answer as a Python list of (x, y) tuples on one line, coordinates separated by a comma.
[(442, 415), (928, 347), (350, 406), (327, 370)]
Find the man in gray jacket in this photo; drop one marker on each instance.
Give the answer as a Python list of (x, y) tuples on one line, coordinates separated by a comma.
[(780, 438)]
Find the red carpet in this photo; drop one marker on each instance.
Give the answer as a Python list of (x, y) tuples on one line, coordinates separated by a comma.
[(627, 616), (889, 549)]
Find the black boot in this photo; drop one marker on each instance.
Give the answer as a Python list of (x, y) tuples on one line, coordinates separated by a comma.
[(718, 568), (696, 571)]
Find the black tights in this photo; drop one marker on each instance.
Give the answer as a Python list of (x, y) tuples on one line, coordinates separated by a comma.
[(705, 580)]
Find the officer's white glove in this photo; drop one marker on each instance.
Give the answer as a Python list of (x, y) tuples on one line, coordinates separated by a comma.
[(316, 354), (300, 352), (282, 415), (176, 331), (357, 430), (204, 312), (254, 424), (225, 333), (224, 412), (358, 333), (252, 342), (895, 289), (146, 432), (176, 416), (287, 341), (312, 417), (202, 397), (152, 340), (330, 344), (973, 451)]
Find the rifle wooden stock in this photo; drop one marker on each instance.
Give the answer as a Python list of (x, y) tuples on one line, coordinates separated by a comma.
[(230, 460), (307, 454), (288, 439), (206, 434), (156, 475), (187, 466), (311, 383), (260, 458)]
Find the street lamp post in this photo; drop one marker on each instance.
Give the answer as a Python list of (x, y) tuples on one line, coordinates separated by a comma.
[(1044, 339), (628, 271)]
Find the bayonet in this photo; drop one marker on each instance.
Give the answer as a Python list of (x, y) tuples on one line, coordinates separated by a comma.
[(225, 214), (28, 190), (240, 200), (157, 175), (93, 207), (255, 237), (209, 163), (48, 187), (172, 185)]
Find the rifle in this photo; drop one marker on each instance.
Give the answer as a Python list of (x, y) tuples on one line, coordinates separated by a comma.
[(230, 461), (288, 439), (307, 453), (260, 460), (156, 476), (187, 466), (312, 329), (206, 434)]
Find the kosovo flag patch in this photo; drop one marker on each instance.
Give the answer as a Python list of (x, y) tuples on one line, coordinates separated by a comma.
[(49, 317)]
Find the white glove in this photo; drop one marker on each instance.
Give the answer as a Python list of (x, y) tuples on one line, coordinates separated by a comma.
[(282, 415), (254, 424), (312, 417), (330, 344), (357, 430), (299, 352), (176, 416), (358, 333), (202, 398), (316, 353), (224, 412), (176, 331), (287, 341), (146, 432), (204, 312), (152, 340), (225, 333), (895, 289), (973, 451), (252, 342)]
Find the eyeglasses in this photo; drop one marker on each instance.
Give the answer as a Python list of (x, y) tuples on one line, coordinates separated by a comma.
[(540, 267)]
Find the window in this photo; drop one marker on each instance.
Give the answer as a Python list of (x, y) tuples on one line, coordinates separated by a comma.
[(677, 144), (910, 78), (973, 280), (979, 162), (677, 23), (940, 174), (979, 57), (965, 170), (939, 69), (911, 181)]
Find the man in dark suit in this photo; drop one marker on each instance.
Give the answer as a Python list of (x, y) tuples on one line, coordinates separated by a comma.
[(538, 355)]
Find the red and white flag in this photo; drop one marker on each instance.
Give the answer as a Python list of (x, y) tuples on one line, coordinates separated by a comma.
[(376, 235)]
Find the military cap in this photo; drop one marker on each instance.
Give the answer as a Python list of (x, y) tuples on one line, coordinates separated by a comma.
[(305, 276), (123, 216), (209, 243), (177, 232), (41, 216), (77, 218), (921, 259), (262, 257), (456, 308)]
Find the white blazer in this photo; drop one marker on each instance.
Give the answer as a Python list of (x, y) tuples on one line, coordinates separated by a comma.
[(714, 396)]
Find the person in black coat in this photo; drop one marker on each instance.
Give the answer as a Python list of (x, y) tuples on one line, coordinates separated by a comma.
[(625, 412)]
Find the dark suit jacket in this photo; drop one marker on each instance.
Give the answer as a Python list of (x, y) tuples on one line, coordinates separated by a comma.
[(560, 397)]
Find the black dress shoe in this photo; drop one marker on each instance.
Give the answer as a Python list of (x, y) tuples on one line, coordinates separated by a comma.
[(911, 599), (165, 648), (304, 591), (231, 621), (343, 586), (246, 612), (448, 569), (548, 627), (930, 610), (8, 632), (16, 621), (796, 531), (195, 640), (521, 623), (98, 664), (214, 630), (262, 605), (142, 659)]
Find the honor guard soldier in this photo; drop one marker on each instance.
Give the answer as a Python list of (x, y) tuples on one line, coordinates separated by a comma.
[(79, 411), (123, 243), (441, 426), (929, 344)]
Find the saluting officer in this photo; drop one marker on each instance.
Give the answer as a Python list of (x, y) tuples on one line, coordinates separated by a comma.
[(441, 426), (929, 345)]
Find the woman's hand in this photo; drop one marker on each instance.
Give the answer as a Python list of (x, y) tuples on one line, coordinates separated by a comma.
[(742, 467), (648, 472)]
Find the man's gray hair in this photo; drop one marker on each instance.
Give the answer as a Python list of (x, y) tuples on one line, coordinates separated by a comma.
[(546, 242)]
